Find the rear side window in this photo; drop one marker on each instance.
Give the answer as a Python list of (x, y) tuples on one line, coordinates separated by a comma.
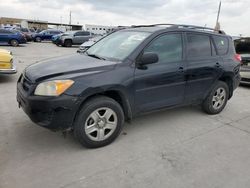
[(54, 32), (85, 33), (24, 30), (82, 33), (221, 44), (198, 46)]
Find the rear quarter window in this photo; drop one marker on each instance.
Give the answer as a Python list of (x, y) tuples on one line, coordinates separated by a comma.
[(221, 44)]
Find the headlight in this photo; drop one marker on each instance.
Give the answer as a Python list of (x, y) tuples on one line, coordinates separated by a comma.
[(53, 88)]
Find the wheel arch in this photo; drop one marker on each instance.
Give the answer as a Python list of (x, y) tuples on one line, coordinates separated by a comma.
[(227, 78), (116, 95), (13, 39)]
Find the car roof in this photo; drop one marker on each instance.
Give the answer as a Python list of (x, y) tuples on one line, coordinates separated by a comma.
[(162, 28)]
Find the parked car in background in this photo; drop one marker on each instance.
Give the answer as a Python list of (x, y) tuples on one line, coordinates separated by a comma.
[(86, 45), (11, 37), (27, 33), (45, 35), (55, 38), (128, 73), (74, 38), (242, 47), (6, 62)]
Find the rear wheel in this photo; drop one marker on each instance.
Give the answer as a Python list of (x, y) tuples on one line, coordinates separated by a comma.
[(38, 39), (217, 99), (99, 122), (14, 42), (67, 43)]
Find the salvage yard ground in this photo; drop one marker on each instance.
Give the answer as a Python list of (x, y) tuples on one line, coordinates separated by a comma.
[(180, 148)]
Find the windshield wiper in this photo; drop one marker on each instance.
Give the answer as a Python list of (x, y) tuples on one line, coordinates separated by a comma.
[(95, 56)]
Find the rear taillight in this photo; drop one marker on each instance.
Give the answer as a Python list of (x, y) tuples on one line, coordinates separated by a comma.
[(237, 57)]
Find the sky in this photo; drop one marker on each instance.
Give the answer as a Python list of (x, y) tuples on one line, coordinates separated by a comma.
[(234, 17)]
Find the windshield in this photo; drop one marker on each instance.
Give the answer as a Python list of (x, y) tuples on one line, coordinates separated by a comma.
[(117, 46), (44, 31)]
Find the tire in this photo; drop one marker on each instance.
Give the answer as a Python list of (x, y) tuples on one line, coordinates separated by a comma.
[(217, 99), (67, 43), (103, 117), (38, 39), (14, 42)]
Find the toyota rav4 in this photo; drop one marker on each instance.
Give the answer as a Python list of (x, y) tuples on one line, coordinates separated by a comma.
[(128, 73)]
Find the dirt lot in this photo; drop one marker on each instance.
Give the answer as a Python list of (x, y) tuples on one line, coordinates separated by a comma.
[(176, 148)]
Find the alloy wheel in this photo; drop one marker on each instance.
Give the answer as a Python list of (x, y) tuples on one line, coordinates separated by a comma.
[(100, 124), (219, 97)]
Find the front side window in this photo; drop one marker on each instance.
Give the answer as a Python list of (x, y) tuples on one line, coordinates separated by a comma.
[(168, 48), (198, 46), (118, 45)]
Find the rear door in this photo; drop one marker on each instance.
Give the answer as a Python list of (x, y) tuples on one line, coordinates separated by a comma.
[(204, 66), (161, 84)]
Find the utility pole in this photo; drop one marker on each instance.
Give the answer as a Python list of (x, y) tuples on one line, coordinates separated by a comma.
[(217, 24), (70, 20)]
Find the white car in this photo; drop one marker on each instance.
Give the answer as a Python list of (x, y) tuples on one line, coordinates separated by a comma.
[(86, 45)]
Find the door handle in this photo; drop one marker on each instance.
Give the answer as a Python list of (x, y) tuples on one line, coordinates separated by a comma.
[(217, 65), (181, 69)]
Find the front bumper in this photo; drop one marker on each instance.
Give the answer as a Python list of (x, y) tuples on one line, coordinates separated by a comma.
[(58, 41), (54, 113)]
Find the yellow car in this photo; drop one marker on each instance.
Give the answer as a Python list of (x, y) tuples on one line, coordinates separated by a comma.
[(6, 62)]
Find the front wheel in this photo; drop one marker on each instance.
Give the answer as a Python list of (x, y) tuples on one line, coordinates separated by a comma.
[(217, 99), (38, 39), (67, 43), (99, 122)]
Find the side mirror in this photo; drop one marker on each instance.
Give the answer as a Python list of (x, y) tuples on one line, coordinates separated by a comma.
[(148, 58)]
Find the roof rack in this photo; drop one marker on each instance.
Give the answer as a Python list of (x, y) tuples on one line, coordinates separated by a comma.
[(183, 26)]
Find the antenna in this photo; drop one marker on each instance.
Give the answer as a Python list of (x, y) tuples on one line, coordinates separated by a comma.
[(217, 24)]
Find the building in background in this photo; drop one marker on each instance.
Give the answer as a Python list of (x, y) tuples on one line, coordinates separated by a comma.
[(36, 24), (18, 22), (98, 29)]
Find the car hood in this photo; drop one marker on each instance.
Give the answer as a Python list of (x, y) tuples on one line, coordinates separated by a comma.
[(79, 64)]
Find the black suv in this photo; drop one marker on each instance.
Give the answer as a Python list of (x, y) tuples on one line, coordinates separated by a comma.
[(127, 73)]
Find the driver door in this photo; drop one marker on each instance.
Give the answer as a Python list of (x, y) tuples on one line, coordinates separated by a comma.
[(161, 84)]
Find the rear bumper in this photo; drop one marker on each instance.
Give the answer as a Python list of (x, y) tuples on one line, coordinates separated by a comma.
[(245, 75), (54, 113), (13, 70)]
